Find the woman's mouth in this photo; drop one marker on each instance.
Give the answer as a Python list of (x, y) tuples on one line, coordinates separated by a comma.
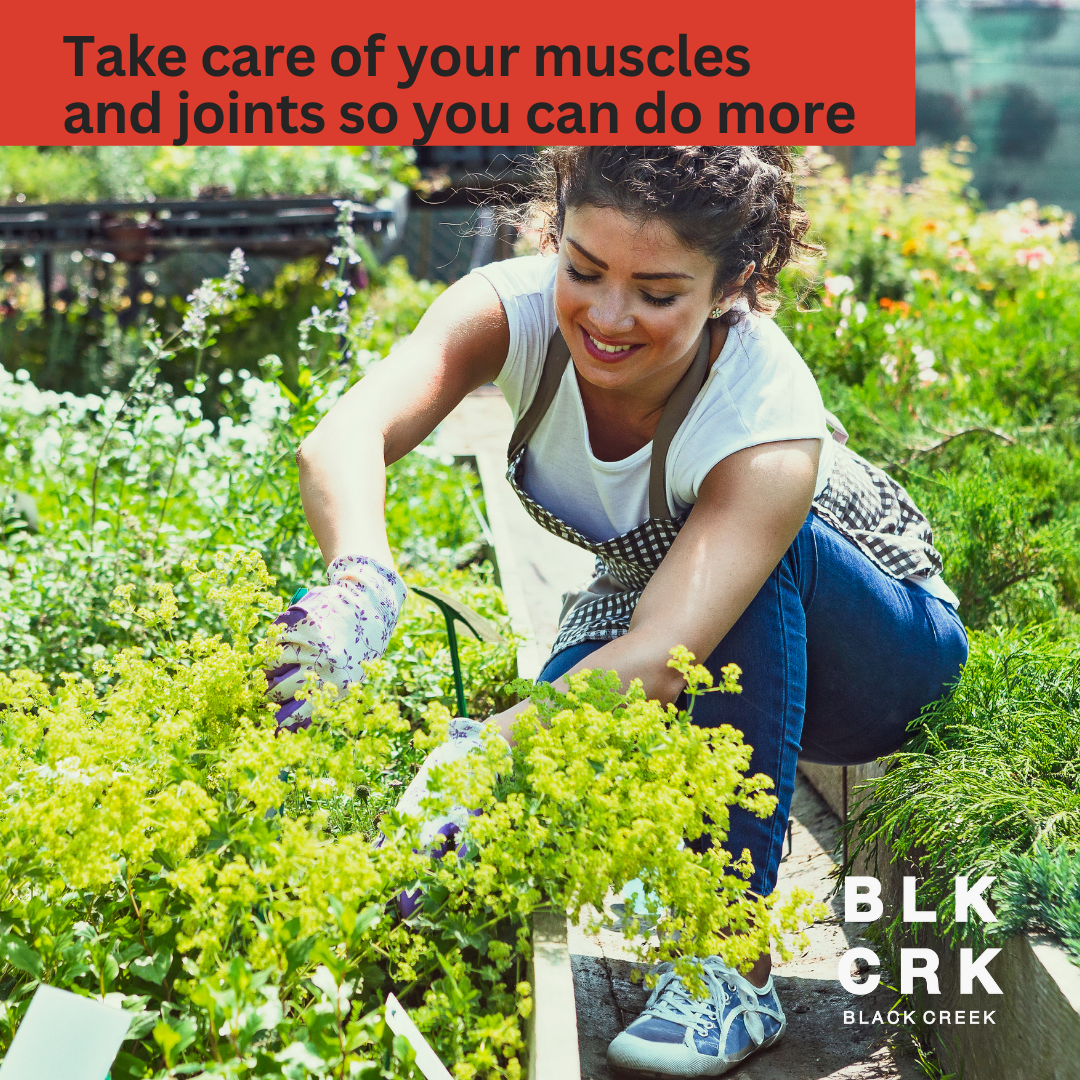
[(607, 352)]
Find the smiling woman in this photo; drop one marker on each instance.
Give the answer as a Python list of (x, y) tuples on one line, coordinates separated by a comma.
[(664, 423)]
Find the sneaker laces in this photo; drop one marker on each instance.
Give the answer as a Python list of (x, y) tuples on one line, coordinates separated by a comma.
[(672, 1001)]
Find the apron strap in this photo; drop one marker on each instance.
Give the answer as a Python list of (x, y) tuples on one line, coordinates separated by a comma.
[(558, 355), (675, 412), (839, 432)]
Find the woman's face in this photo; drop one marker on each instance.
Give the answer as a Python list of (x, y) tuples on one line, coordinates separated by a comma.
[(630, 297)]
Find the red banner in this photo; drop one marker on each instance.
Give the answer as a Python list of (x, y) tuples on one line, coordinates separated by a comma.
[(788, 72)]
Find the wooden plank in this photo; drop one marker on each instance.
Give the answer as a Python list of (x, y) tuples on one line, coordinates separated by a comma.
[(552, 1026)]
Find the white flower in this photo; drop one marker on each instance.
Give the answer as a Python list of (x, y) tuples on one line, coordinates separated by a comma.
[(47, 447), (837, 286), (1035, 257), (924, 361)]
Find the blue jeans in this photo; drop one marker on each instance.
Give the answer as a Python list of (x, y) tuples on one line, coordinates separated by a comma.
[(838, 659)]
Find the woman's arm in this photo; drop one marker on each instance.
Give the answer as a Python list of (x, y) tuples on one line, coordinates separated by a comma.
[(460, 344), (749, 510)]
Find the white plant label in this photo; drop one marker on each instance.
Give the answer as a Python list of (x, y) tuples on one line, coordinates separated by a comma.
[(65, 1037), (400, 1023)]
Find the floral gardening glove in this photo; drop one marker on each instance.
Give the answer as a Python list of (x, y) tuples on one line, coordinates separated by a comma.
[(331, 630), (438, 833)]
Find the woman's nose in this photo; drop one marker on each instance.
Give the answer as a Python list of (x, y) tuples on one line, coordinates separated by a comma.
[(610, 317)]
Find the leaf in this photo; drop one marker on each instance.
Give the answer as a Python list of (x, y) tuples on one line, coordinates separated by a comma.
[(141, 1025), (303, 1054), (373, 976), (367, 918), (153, 968), (166, 1038), (110, 970), (173, 1041), (297, 952), (324, 980), (20, 956), (127, 1067)]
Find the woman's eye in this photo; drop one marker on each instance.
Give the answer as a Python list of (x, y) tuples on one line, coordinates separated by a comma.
[(577, 275), (658, 301)]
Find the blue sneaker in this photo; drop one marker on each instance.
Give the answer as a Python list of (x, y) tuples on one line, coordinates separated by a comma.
[(681, 1036)]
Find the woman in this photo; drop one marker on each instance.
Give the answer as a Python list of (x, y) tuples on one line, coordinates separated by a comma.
[(664, 423)]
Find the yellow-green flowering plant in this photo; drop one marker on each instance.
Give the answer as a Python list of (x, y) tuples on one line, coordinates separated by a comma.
[(162, 848), (603, 787)]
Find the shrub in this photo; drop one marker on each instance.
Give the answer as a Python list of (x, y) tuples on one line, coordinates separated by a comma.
[(161, 849), (990, 779)]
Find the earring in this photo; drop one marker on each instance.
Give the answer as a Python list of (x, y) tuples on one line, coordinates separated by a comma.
[(715, 313)]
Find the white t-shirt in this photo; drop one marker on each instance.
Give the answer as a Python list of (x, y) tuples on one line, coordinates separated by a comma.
[(759, 390)]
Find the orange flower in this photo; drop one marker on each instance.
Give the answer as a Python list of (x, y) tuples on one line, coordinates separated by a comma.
[(884, 230), (900, 307), (910, 247)]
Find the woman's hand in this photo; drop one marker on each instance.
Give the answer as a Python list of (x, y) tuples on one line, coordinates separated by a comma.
[(459, 344), (331, 630), (750, 508)]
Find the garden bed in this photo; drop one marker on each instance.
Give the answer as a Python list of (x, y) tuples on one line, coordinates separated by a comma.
[(163, 849), (1036, 1033), (552, 1027), (945, 339)]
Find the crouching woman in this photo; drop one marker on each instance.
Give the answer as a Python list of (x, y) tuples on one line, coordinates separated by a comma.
[(665, 424)]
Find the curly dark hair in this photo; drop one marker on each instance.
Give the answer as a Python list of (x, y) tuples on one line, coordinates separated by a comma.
[(736, 204)]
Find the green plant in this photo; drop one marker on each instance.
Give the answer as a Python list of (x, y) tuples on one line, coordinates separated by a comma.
[(989, 780), (131, 484), (1007, 522), (1040, 889), (944, 337), (82, 174), (161, 848)]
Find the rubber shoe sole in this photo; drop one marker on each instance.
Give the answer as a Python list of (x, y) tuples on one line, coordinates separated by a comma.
[(693, 1064)]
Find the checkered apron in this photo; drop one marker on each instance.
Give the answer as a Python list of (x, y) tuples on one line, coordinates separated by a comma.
[(860, 501)]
